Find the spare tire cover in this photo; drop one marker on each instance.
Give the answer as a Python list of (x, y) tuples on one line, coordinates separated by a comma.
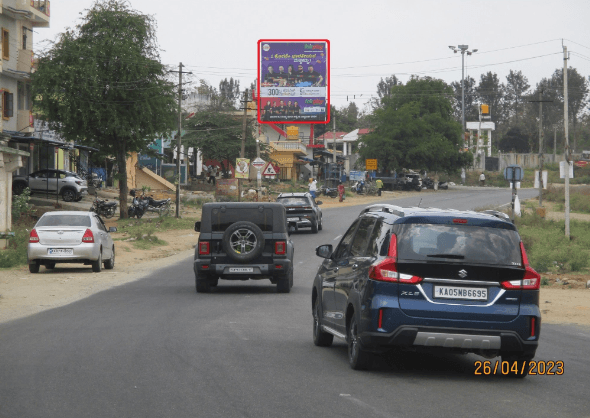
[(243, 241)]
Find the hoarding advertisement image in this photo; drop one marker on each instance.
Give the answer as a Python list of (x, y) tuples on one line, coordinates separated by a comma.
[(293, 81)]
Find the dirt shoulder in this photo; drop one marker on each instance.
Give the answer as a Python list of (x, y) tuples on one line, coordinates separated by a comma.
[(23, 294)]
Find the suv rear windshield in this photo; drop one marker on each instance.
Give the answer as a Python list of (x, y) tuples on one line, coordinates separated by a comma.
[(64, 220), (221, 220), (293, 201), (448, 243)]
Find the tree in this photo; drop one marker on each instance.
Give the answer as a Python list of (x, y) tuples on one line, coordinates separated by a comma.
[(471, 112), (515, 140), (415, 129), (384, 89), (218, 135), (102, 84), (229, 93), (517, 86), (491, 92)]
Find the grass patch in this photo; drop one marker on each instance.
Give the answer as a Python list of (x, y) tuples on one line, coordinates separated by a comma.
[(148, 242), (548, 249), (194, 203), (579, 198), (16, 252)]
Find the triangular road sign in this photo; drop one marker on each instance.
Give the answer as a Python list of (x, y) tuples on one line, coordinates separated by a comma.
[(269, 170)]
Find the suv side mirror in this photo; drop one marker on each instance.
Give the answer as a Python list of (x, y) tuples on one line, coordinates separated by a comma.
[(198, 226), (324, 251), (113, 229)]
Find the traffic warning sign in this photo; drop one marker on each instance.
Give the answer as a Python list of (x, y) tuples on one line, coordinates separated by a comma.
[(269, 170)]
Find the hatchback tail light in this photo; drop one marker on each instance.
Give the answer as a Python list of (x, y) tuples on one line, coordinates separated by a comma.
[(88, 236), (33, 237), (280, 248), (204, 248), (386, 270)]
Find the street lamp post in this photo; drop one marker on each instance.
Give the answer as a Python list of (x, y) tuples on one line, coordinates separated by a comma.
[(463, 49)]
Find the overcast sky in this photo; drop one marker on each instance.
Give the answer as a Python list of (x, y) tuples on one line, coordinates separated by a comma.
[(369, 39)]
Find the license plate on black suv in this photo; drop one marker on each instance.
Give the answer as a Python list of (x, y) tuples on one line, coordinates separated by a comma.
[(454, 292)]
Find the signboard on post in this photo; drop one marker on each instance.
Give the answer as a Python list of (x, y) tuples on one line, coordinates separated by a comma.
[(242, 168), (562, 169), (513, 172), (258, 163), (293, 81), (269, 171), (371, 164)]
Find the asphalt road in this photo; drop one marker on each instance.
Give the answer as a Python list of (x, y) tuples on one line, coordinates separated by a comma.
[(155, 348)]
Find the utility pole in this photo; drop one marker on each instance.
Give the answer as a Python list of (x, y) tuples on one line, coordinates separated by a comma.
[(567, 156), (178, 141), (463, 50), (540, 101), (554, 144), (243, 150)]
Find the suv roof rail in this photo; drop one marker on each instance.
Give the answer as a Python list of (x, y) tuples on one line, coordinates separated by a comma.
[(497, 214), (396, 210)]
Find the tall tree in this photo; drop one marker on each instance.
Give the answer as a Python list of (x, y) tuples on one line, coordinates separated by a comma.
[(102, 84), (415, 128), (229, 93), (516, 139), (471, 112), (517, 87), (384, 89), (491, 92)]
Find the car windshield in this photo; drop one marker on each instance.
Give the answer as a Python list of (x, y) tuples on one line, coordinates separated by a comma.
[(64, 220), (449, 243), (293, 201)]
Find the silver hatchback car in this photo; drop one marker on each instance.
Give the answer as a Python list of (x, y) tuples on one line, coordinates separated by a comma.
[(71, 237)]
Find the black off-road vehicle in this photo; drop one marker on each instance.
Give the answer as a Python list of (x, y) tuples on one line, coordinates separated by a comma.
[(242, 241)]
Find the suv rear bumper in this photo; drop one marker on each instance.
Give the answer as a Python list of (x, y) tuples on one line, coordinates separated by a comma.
[(279, 267), (462, 339)]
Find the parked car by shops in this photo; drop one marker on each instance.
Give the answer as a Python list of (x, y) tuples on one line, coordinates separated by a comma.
[(70, 237), (67, 184)]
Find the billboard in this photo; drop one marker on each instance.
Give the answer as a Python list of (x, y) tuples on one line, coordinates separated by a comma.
[(293, 81)]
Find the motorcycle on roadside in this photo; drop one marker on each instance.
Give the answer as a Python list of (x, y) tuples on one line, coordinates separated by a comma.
[(138, 206), (102, 207)]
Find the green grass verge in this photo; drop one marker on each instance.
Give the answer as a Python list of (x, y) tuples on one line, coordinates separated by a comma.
[(548, 249), (579, 198)]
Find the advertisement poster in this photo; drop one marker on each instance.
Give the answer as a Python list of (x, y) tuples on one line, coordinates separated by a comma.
[(293, 81), (242, 168)]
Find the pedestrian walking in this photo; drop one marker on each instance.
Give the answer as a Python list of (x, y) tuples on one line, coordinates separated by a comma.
[(463, 176), (313, 187), (482, 179), (212, 174), (379, 184), (340, 192)]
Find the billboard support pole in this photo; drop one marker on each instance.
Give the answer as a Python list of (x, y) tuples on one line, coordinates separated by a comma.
[(243, 150)]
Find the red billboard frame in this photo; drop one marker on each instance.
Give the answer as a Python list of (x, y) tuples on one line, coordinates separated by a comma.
[(327, 76)]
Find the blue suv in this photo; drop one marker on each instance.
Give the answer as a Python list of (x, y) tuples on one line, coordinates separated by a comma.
[(423, 278)]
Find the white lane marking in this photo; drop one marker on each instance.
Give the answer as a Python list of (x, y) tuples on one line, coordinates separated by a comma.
[(362, 404), (338, 237)]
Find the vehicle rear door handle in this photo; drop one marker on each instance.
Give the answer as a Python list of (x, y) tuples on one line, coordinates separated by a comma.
[(355, 266)]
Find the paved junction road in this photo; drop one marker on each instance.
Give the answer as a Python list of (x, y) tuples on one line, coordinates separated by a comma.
[(155, 348)]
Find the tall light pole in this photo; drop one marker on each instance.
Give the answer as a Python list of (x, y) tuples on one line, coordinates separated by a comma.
[(463, 49)]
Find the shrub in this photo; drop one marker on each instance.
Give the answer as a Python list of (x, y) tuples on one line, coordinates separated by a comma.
[(20, 204)]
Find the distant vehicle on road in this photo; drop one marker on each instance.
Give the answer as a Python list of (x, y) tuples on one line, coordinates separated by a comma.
[(585, 160), (69, 185), (70, 237), (302, 211), (428, 279), (404, 181)]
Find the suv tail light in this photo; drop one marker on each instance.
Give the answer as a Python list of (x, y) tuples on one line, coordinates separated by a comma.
[(88, 237), (280, 248), (386, 270), (33, 237), (531, 279), (204, 248)]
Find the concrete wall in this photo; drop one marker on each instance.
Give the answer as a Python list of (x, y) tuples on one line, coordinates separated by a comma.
[(527, 160)]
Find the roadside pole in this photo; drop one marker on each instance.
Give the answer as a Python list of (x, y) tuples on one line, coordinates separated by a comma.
[(243, 150), (540, 101), (567, 157)]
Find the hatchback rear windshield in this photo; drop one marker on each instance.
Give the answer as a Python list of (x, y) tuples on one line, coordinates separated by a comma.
[(221, 220), (293, 201), (449, 243), (64, 220)]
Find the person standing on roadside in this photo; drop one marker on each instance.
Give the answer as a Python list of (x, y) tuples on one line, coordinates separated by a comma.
[(482, 179), (340, 192), (379, 184), (463, 176), (313, 187)]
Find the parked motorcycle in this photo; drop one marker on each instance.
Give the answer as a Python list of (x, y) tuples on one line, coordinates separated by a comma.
[(138, 206), (102, 207), (329, 191), (162, 207)]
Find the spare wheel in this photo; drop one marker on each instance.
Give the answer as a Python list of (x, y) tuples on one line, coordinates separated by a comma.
[(243, 241)]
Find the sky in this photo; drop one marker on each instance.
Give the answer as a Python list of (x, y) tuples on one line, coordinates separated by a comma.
[(370, 39)]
